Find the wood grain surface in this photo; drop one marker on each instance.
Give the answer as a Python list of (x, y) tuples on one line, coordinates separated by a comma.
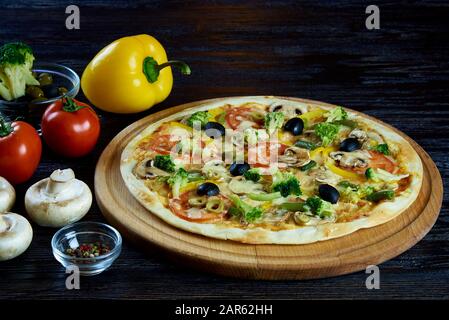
[(313, 49), (269, 262)]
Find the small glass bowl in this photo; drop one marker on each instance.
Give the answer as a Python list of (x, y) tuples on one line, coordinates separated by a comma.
[(73, 235), (32, 111)]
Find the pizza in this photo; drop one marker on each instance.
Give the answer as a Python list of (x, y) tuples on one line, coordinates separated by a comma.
[(269, 170)]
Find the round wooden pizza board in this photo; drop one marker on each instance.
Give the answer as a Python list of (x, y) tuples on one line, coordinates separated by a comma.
[(317, 260)]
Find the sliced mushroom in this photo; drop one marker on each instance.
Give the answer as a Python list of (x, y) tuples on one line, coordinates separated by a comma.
[(7, 195), (239, 185), (215, 170), (15, 235), (354, 159), (288, 110), (324, 175), (146, 170), (295, 157), (58, 200), (358, 134)]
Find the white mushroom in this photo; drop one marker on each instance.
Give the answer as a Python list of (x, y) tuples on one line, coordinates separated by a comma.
[(15, 235), (7, 195), (146, 170), (358, 134), (58, 200), (288, 110), (295, 157), (324, 175), (354, 159)]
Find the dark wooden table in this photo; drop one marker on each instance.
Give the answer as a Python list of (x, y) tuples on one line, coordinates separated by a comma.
[(312, 49)]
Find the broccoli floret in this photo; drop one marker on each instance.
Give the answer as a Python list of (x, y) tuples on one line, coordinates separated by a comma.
[(287, 184), (382, 148), (177, 181), (273, 121), (200, 116), (353, 193), (252, 174), (284, 184), (319, 207), (327, 132), (164, 163), (245, 211), (16, 61), (336, 114)]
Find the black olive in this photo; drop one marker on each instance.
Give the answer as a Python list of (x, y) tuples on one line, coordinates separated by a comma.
[(328, 193), (295, 126), (350, 144), (238, 169), (212, 129), (207, 189)]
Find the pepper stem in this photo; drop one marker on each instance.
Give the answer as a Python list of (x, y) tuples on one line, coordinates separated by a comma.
[(5, 127), (151, 68), (182, 66)]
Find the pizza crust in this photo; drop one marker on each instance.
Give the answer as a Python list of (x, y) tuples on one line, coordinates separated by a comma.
[(302, 234)]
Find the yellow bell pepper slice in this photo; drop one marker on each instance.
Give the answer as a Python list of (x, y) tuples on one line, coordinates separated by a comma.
[(180, 125), (215, 112), (341, 172), (323, 150), (317, 113)]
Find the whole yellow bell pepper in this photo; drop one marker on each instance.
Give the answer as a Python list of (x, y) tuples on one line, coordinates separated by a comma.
[(130, 75)]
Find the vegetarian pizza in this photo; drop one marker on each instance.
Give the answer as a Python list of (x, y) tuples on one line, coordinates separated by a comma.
[(271, 170)]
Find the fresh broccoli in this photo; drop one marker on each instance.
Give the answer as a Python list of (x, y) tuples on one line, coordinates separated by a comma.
[(177, 181), (245, 211), (252, 174), (16, 61), (273, 121), (284, 184), (200, 116), (164, 163), (319, 207), (336, 114), (327, 132), (382, 148)]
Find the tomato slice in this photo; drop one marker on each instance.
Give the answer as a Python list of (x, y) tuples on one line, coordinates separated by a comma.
[(234, 116), (161, 143), (181, 205), (263, 156), (380, 161)]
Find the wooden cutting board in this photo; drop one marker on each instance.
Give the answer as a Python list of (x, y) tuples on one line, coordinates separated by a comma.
[(317, 260)]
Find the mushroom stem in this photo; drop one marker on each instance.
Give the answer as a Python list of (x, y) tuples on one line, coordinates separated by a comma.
[(58, 181), (3, 224)]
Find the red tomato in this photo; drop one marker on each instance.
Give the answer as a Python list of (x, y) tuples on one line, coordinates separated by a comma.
[(263, 156), (161, 143), (235, 116), (70, 128), (180, 206), (380, 161), (20, 151)]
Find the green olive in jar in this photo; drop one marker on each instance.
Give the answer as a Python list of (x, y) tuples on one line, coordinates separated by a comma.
[(34, 92), (45, 79)]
